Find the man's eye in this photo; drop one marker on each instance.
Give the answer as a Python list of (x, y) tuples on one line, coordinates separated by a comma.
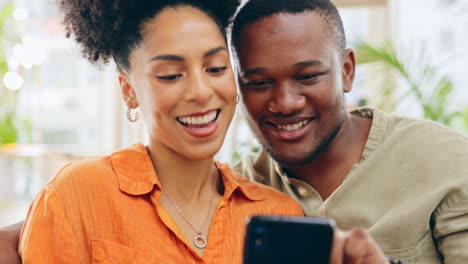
[(308, 77), (172, 77), (259, 84), (216, 69)]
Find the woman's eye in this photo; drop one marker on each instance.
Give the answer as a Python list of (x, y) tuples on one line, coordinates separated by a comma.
[(172, 77), (216, 69)]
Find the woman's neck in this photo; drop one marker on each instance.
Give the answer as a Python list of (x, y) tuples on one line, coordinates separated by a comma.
[(183, 178)]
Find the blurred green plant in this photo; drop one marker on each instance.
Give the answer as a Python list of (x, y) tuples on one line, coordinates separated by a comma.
[(10, 125), (5, 14), (430, 89)]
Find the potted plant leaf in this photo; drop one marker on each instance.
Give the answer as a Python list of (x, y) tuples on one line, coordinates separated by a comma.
[(431, 90)]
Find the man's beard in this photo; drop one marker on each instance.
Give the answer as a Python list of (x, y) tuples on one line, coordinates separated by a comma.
[(307, 157)]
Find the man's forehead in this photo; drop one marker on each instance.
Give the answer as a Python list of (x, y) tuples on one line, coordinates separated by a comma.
[(291, 38), (282, 31), (282, 22)]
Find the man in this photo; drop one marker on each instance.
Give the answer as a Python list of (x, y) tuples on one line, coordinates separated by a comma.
[(9, 237), (399, 178), (404, 180)]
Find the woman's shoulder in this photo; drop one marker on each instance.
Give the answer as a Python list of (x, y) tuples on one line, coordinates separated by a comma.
[(87, 172), (123, 170)]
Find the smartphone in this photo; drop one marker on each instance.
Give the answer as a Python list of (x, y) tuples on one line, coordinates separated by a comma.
[(280, 239)]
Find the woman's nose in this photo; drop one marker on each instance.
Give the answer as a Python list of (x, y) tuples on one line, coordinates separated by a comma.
[(199, 89)]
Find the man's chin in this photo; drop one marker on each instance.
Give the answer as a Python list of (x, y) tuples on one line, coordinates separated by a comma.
[(294, 156), (293, 160)]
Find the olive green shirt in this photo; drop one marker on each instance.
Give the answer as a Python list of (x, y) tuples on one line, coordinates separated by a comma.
[(410, 190)]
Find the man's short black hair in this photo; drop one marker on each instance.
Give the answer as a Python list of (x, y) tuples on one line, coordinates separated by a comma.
[(255, 10)]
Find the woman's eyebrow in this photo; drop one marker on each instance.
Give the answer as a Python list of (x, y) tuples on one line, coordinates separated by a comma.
[(171, 57), (213, 51), (167, 57)]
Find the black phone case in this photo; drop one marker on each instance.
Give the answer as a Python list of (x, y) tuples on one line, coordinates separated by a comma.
[(275, 240)]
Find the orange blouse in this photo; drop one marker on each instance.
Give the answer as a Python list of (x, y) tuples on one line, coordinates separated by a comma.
[(107, 210)]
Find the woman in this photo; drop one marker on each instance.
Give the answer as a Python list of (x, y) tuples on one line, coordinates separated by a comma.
[(168, 202)]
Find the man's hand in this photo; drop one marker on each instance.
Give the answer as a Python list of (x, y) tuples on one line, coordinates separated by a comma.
[(355, 247), (9, 237)]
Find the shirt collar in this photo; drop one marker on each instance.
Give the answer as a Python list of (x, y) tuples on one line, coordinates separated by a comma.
[(135, 171), (264, 157), (136, 175), (377, 132), (234, 181)]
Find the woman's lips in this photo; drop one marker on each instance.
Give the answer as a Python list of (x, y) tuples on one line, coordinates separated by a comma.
[(200, 125)]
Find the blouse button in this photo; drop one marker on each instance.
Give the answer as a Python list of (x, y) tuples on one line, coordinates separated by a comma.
[(302, 191)]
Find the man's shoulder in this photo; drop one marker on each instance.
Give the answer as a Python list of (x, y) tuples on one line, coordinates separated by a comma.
[(255, 166), (246, 161), (426, 133), (407, 140)]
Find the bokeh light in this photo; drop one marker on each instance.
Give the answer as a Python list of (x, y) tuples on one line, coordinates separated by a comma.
[(13, 80)]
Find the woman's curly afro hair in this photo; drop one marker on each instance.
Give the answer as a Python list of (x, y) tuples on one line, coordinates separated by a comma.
[(108, 29)]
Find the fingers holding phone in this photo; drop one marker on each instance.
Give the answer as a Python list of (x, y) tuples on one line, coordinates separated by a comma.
[(355, 247), (279, 240)]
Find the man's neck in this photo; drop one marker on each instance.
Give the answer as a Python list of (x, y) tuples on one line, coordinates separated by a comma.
[(327, 172)]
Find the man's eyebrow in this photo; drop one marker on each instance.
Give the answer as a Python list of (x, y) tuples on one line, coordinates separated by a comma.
[(254, 71), (307, 63), (213, 51), (167, 57), (301, 64)]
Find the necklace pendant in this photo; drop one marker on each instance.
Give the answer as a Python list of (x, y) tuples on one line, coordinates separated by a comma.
[(200, 241)]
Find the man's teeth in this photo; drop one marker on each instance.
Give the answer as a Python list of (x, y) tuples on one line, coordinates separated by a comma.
[(291, 127), (199, 120)]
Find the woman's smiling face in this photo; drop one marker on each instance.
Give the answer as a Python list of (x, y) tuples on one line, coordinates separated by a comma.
[(181, 78)]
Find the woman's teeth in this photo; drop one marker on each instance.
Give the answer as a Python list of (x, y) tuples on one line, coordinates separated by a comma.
[(199, 120)]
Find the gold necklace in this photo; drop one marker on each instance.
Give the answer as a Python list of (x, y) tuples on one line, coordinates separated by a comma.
[(200, 240)]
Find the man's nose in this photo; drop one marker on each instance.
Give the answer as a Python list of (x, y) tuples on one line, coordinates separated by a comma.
[(287, 99)]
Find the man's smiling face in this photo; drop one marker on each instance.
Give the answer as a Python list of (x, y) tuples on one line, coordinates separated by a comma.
[(293, 78)]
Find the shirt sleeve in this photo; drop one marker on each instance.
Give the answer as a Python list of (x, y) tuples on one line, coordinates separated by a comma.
[(47, 236), (451, 227)]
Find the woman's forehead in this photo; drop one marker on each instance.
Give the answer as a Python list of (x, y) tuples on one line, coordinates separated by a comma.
[(181, 27), (179, 19)]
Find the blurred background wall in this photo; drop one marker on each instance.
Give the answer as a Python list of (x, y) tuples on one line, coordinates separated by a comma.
[(56, 108)]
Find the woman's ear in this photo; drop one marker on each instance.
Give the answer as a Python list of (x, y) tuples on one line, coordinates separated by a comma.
[(128, 93)]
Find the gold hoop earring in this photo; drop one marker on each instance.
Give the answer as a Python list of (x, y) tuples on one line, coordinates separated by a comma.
[(129, 116), (237, 98)]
